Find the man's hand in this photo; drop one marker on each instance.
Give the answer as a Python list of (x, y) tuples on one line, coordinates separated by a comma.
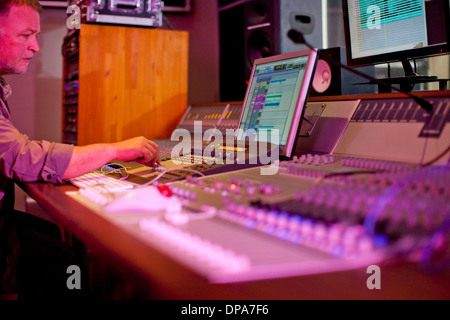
[(87, 158), (138, 149)]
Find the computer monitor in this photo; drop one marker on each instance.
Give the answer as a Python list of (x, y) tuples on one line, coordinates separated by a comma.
[(380, 31), (276, 96)]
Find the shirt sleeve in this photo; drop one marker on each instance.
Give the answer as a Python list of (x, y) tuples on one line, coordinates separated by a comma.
[(26, 160)]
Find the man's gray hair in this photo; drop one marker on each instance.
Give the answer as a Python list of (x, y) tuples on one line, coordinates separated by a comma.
[(5, 5)]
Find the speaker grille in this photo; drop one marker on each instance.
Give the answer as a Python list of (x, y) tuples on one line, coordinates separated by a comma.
[(249, 30)]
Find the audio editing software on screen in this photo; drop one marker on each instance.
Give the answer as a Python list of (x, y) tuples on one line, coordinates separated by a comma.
[(273, 97)]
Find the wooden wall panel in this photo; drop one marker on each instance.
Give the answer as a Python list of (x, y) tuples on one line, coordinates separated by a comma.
[(133, 81)]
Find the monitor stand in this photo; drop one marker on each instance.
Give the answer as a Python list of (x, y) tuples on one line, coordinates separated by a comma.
[(408, 81)]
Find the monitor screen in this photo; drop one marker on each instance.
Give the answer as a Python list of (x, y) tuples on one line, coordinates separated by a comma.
[(379, 31), (275, 99)]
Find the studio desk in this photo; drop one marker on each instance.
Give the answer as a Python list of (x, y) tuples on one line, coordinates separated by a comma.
[(167, 279), (160, 276)]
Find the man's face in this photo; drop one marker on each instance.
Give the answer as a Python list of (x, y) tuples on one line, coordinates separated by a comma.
[(18, 42)]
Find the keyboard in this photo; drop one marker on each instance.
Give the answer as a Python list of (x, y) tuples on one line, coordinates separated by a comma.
[(101, 182), (99, 187)]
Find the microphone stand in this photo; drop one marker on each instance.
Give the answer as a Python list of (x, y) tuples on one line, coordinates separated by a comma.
[(297, 37)]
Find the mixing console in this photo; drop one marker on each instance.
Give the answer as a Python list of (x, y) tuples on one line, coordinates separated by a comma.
[(351, 207), (318, 213)]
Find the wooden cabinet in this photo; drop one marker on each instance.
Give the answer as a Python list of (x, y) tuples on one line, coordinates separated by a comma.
[(121, 82)]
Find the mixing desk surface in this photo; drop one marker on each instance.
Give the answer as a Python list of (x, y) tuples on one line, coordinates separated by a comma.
[(318, 213), (347, 208)]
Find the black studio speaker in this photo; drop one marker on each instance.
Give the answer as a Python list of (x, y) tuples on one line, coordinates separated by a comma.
[(252, 29), (248, 30), (261, 31)]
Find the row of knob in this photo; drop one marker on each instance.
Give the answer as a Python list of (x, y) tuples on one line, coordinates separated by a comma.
[(316, 159), (337, 239), (312, 159), (403, 210), (236, 186), (381, 165)]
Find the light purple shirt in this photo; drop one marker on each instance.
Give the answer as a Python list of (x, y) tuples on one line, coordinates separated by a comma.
[(25, 160)]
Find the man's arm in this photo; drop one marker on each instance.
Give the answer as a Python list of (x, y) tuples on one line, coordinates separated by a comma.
[(87, 158)]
